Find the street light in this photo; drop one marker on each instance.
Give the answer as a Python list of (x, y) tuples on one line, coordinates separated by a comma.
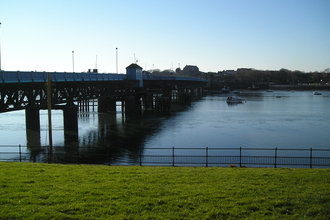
[(117, 60), (73, 61)]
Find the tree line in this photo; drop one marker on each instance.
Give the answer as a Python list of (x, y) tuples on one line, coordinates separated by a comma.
[(244, 75)]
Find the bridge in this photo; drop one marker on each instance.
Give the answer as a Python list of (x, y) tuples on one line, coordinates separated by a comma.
[(69, 91)]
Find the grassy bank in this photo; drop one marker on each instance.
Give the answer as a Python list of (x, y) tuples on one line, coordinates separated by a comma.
[(45, 191)]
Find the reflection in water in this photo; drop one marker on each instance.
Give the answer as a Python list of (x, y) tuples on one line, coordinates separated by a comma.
[(115, 138), (298, 120)]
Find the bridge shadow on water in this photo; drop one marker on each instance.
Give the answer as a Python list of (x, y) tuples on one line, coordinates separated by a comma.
[(116, 139)]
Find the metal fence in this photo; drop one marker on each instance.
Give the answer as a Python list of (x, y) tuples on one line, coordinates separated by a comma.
[(235, 157)]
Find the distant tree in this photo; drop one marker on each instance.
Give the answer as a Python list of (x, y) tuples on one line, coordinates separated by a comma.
[(167, 72), (155, 71), (178, 71), (284, 76)]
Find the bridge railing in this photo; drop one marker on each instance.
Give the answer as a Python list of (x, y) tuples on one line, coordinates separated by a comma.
[(33, 76), (30, 77)]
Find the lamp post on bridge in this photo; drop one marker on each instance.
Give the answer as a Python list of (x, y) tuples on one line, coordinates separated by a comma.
[(72, 61), (117, 60)]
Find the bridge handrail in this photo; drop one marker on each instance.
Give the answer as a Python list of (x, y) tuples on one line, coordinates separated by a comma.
[(34, 76), (27, 77)]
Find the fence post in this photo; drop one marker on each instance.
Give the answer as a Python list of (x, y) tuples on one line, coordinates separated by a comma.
[(20, 153), (275, 157), (311, 158), (77, 154), (240, 157), (140, 152), (173, 156), (109, 155), (207, 156)]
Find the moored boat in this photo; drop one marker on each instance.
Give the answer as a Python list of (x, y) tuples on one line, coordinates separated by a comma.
[(253, 87), (317, 93), (225, 90), (234, 99)]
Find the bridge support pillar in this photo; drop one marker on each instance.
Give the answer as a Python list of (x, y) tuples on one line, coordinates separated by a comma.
[(106, 104), (32, 119), (32, 122), (185, 98), (133, 105), (70, 117), (148, 101)]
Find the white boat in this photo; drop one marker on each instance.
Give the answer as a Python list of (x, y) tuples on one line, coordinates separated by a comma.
[(234, 99), (317, 93), (225, 90), (270, 88), (253, 87)]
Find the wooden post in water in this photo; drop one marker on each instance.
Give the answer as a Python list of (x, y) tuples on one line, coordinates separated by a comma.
[(49, 105)]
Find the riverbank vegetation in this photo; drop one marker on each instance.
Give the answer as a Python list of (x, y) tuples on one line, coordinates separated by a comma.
[(242, 77), (50, 191)]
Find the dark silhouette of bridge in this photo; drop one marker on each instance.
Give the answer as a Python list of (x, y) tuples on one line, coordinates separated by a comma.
[(69, 91)]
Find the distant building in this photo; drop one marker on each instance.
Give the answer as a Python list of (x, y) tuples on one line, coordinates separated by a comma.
[(190, 69), (229, 72), (225, 72), (134, 72), (243, 69)]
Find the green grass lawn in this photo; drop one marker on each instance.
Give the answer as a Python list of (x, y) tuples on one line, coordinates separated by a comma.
[(49, 191)]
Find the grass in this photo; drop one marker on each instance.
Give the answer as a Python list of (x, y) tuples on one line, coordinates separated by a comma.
[(50, 191)]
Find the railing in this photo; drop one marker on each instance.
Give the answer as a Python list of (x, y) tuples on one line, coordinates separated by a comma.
[(29, 77), (236, 157)]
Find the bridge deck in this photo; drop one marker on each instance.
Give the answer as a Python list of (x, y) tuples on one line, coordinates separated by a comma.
[(30, 77)]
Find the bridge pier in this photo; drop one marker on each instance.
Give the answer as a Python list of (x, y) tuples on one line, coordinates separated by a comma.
[(32, 118), (106, 104), (70, 117), (185, 98), (70, 122), (32, 123), (163, 103), (148, 101), (132, 105)]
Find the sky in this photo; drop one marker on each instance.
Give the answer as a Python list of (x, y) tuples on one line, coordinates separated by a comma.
[(215, 35)]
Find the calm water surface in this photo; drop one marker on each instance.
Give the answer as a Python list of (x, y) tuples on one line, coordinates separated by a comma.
[(296, 120)]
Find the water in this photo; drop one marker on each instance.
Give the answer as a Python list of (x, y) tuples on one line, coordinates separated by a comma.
[(279, 119)]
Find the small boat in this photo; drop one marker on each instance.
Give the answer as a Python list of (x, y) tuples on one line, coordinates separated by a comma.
[(225, 90), (253, 87), (317, 93), (234, 99), (270, 88)]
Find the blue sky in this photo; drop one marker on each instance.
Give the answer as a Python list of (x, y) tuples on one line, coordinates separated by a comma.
[(215, 35)]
